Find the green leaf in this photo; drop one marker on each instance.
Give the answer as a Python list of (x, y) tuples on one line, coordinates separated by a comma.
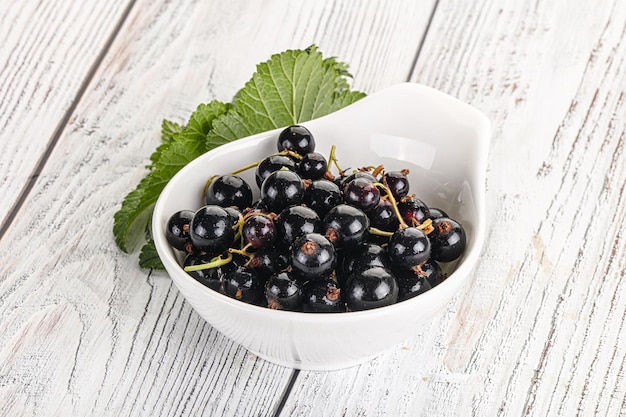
[(290, 88), (169, 129), (130, 221), (149, 258)]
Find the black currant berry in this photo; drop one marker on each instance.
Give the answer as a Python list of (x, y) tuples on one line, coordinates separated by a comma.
[(322, 296), (414, 211), (361, 193), (432, 272), (211, 229), (245, 284), (411, 284), (435, 213), (313, 166), (408, 247), (283, 292), (234, 214), (322, 195), (269, 261), (448, 239), (313, 257), (358, 174), (297, 139), (213, 278), (364, 257), (229, 190), (383, 216), (177, 231), (398, 183), (259, 231), (377, 239), (271, 164), (372, 288), (296, 221), (346, 226), (257, 207), (282, 189)]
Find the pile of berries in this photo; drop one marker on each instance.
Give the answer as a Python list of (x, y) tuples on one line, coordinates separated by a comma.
[(314, 241)]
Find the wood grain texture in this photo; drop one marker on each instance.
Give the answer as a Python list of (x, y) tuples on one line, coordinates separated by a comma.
[(540, 332), (46, 53), (84, 331)]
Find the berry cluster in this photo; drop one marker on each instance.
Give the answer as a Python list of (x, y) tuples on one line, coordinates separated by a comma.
[(314, 241)]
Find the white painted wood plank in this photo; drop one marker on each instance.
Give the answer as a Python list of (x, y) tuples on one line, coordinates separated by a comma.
[(84, 331), (46, 52), (540, 332)]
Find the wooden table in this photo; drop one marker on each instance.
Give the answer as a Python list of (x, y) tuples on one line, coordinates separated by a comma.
[(83, 89)]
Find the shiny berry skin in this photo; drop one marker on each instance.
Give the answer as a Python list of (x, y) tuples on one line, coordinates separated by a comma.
[(408, 247), (211, 229), (234, 214), (257, 207), (377, 239), (322, 195), (213, 278), (229, 190), (283, 292), (296, 221), (245, 284), (361, 193), (448, 239), (313, 166), (322, 296), (383, 216), (432, 272), (414, 211), (410, 284), (271, 164), (397, 182), (435, 213), (259, 231), (177, 231), (364, 257), (372, 288), (312, 257), (359, 174), (282, 189), (297, 139), (269, 261), (346, 226)]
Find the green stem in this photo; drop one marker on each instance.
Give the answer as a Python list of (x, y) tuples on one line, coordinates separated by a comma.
[(291, 153), (394, 204), (213, 263), (426, 226), (245, 168), (332, 159), (378, 232), (208, 184), (243, 251)]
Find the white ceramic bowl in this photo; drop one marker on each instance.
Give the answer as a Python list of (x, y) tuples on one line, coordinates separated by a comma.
[(443, 142)]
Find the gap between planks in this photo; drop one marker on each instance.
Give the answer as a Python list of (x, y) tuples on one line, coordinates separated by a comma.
[(422, 41), (286, 393), (60, 128)]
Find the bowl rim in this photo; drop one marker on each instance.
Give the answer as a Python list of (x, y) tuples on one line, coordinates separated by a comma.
[(481, 125)]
